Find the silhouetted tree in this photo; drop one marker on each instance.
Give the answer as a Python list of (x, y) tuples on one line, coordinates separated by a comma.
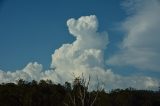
[(45, 93)]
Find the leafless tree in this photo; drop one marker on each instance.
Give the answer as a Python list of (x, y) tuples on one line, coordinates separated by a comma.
[(82, 95)]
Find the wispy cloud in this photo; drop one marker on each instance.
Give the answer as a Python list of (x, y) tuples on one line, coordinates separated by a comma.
[(140, 47)]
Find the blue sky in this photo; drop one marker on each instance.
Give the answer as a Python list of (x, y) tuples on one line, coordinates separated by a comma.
[(31, 30)]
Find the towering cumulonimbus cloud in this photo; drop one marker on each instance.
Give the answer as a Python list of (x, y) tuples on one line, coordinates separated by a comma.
[(86, 52), (85, 55)]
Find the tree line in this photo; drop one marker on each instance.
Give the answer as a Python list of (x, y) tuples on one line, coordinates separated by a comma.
[(46, 93)]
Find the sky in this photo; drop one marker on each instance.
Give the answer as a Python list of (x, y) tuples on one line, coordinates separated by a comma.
[(114, 40)]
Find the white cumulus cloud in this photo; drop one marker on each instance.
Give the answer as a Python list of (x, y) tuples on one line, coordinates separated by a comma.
[(85, 55)]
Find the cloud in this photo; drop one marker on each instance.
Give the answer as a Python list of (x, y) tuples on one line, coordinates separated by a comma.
[(86, 51), (140, 47), (85, 55), (30, 72)]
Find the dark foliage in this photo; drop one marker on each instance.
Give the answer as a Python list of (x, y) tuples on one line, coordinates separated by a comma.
[(45, 93)]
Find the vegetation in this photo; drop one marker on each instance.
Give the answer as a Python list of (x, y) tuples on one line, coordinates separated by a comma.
[(46, 93)]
